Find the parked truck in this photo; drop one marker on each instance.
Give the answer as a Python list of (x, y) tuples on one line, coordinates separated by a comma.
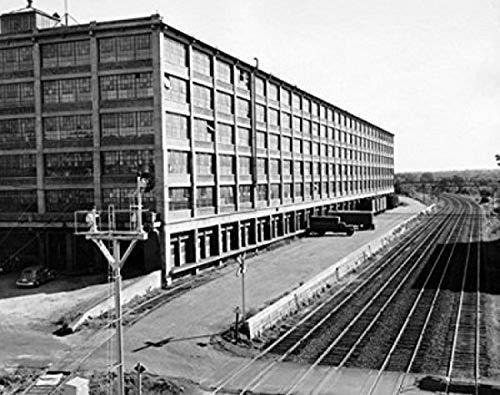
[(360, 219), (328, 223)]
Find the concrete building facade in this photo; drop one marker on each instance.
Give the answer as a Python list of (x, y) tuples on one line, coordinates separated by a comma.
[(240, 157)]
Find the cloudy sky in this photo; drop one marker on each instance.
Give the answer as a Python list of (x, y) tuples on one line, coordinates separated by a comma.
[(429, 70)]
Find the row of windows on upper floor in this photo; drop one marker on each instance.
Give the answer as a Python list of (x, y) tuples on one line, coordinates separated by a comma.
[(69, 200), (176, 54), (180, 198), (177, 127), (128, 162), (137, 127), (77, 53), (72, 90)]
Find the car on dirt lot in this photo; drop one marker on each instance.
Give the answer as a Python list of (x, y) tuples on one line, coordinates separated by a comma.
[(33, 276)]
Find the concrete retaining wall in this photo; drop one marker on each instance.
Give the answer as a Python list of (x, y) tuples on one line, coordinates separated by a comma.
[(292, 301), (140, 287)]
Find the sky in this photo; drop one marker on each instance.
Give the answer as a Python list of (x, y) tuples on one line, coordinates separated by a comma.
[(428, 71)]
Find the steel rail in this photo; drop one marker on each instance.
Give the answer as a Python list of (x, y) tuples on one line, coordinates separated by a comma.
[(402, 245), (415, 305), (459, 313), (406, 261), (460, 329)]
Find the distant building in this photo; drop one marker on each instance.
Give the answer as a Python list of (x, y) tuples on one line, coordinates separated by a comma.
[(241, 158)]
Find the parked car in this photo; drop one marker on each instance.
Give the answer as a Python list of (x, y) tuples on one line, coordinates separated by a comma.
[(33, 276)]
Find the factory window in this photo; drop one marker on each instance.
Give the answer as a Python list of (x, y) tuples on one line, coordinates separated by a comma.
[(202, 97), (286, 144), (201, 63), (243, 80), (126, 162), (245, 194), (126, 86), (307, 168), (125, 48), (286, 121), (245, 168), (66, 91), (287, 191), (226, 195), (68, 200), (179, 199), (298, 168), (175, 52), (315, 129), (244, 137), (315, 109), (261, 166), (273, 117), (296, 101), (16, 59), (260, 112), (322, 112), (178, 162), (306, 105), (122, 197), (225, 134), (260, 86), (224, 103), (65, 54), (315, 149), (306, 126), (17, 133), (205, 197), (274, 142), (285, 96), (316, 170), (261, 140), (16, 94), (176, 126), (204, 164), (287, 167), (275, 191), (273, 92), (307, 148), (23, 165), (297, 124), (323, 150), (299, 189), (307, 189), (226, 165), (18, 201), (132, 124), (69, 164), (75, 128), (274, 167), (322, 131), (224, 72), (243, 108), (177, 91), (261, 192), (297, 146), (203, 130)]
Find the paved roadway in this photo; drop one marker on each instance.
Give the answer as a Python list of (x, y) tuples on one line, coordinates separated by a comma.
[(173, 340)]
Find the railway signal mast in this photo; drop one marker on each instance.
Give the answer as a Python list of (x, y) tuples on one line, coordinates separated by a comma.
[(101, 228)]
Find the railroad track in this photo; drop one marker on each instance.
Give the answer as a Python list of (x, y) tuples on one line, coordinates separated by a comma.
[(291, 342)]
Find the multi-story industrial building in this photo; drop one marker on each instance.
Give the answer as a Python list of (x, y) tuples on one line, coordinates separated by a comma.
[(240, 157)]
